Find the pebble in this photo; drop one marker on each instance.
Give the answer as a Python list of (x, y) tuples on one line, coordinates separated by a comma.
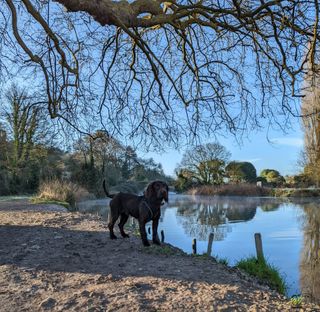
[(48, 303)]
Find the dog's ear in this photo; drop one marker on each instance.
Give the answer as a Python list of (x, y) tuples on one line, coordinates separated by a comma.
[(167, 194), (149, 191)]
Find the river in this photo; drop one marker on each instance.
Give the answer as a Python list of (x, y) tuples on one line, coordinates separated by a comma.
[(290, 230)]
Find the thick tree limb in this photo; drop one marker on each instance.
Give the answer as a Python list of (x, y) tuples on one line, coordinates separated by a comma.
[(159, 68)]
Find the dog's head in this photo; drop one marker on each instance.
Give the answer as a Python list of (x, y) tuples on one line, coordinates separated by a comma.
[(157, 190)]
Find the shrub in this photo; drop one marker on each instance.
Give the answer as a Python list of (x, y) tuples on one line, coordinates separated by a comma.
[(62, 191)]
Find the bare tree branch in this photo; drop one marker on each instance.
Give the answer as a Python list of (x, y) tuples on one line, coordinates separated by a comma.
[(164, 71)]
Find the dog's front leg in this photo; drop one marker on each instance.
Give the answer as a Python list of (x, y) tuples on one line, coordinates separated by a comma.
[(155, 237), (143, 233)]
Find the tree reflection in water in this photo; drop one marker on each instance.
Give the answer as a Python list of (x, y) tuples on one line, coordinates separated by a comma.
[(201, 216), (310, 255)]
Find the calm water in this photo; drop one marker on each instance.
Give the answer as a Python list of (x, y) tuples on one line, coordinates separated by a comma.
[(290, 232)]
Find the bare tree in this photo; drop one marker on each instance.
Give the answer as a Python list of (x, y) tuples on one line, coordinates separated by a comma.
[(310, 157), (162, 70), (25, 131), (204, 164), (23, 123)]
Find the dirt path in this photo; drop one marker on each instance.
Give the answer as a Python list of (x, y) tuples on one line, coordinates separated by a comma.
[(58, 261)]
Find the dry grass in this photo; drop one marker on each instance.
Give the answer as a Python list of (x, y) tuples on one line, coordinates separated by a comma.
[(296, 192), (61, 191), (231, 190)]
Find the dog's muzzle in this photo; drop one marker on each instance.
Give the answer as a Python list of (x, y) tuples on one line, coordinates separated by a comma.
[(164, 196)]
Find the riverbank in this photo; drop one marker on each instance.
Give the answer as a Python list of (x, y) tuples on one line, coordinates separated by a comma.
[(59, 261), (295, 192), (252, 190), (230, 190)]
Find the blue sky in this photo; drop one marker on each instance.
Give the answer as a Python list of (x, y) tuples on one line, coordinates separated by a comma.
[(281, 155), (272, 150)]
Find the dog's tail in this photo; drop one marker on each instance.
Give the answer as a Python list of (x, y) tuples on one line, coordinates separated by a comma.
[(105, 190)]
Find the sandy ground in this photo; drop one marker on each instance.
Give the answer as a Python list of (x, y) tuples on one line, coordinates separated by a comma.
[(53, 260)]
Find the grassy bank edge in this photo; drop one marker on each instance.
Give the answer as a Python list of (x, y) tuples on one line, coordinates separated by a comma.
[(252, 190), (46, 201), (264, 272)]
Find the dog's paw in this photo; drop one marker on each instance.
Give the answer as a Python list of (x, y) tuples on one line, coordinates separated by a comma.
[(113, 237), (156, 242), (146, 243)]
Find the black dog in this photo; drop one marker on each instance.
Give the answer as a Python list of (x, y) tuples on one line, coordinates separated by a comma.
[(144, 208)]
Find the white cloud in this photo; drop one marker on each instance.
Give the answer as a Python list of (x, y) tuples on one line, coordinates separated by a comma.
[(296, 142), (252, 160)]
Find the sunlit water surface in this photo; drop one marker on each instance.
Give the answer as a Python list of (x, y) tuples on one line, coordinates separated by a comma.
[(290, 232)]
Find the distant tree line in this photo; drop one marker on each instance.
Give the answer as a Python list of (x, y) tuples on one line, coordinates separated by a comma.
[(28, 154), (99, 156), (209, 164)]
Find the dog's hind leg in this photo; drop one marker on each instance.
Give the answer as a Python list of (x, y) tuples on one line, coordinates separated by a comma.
[(112, 220), (123, 219)]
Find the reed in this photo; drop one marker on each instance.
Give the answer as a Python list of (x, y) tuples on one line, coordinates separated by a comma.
[(230, 190), (61, 191)]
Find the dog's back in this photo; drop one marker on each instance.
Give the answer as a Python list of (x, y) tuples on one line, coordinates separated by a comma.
[(126, 203)]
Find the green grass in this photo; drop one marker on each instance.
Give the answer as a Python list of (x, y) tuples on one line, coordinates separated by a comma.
[(296, 301), (13, 197), (37, 200), (263, 271), (222, 260), (201, 256)]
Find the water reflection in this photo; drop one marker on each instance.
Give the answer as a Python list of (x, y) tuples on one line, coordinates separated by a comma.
[(270, 206), (200, 219), (310, 254), (200, 215), (290, 228)]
